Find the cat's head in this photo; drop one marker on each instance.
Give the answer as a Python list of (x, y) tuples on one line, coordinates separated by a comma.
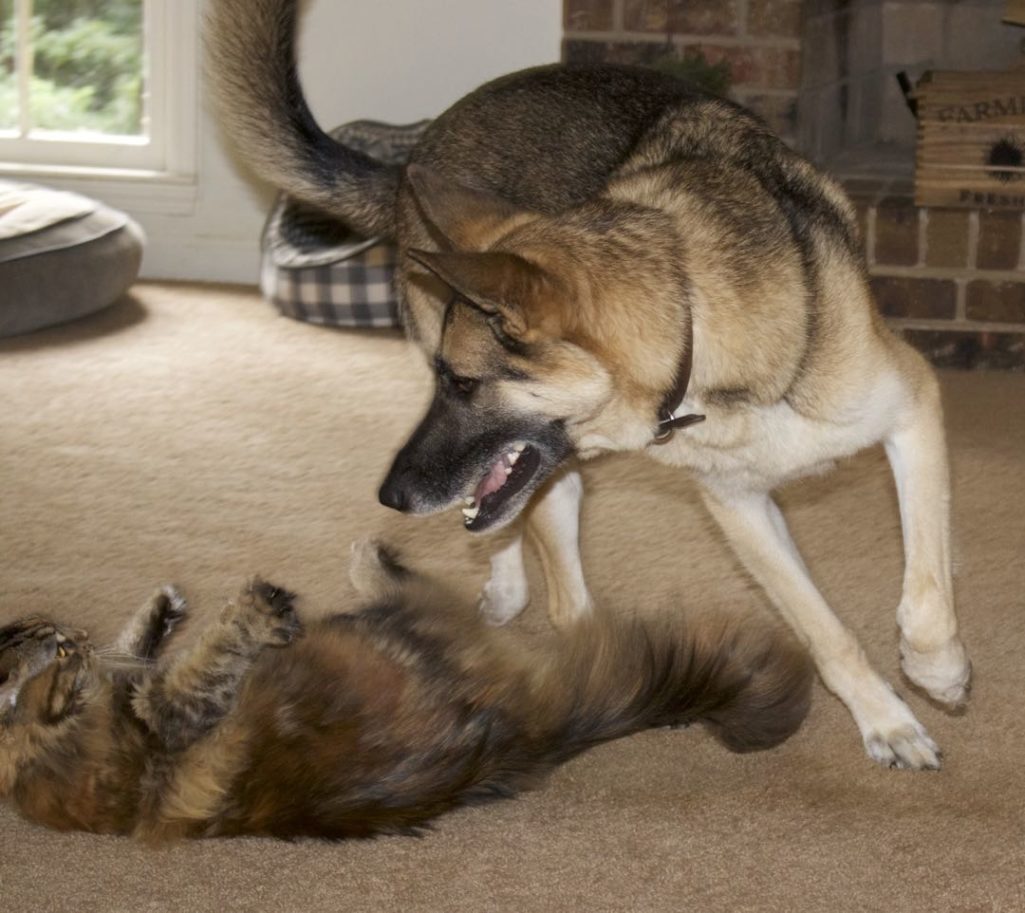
[(43, 669)]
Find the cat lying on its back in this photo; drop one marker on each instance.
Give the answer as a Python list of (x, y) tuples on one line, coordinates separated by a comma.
[(371, 722)]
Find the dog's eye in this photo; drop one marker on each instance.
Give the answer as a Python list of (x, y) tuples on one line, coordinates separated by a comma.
[(460, 384), (464, 385)]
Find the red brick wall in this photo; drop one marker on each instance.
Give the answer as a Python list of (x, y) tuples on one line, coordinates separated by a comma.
[(759, 39), (952, 280)]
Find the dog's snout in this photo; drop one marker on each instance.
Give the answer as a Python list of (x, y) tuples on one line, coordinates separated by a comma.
[(394, 494), (421, 474)]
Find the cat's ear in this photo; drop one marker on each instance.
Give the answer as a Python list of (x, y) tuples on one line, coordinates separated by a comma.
[(466, 218)]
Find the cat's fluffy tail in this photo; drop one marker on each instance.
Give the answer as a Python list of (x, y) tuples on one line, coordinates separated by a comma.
[(749, 683)]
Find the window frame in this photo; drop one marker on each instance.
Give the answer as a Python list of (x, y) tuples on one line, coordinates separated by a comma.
[(168, 153)]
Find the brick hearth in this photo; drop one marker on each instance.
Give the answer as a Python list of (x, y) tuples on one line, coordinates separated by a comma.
[(953, 280)]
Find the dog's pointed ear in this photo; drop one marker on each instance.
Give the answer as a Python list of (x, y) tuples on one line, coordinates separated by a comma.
[(469, 219), (498, 283)]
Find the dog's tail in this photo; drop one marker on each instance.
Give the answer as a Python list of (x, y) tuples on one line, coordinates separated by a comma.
[(251, 60), (749, 683)]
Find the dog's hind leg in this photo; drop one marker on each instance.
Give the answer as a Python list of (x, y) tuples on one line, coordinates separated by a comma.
[(932, 654), (756, 529)]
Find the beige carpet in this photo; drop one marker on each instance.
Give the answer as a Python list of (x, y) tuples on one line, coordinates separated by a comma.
[(194, 435)]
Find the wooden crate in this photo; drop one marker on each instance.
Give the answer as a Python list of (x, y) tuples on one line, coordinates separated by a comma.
[(971, 139), (1014, 12)]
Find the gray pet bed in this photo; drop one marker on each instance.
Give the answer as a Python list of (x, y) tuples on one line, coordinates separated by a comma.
[(62, 256)]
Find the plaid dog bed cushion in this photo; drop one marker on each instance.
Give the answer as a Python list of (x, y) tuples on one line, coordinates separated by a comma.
[(314, 268)]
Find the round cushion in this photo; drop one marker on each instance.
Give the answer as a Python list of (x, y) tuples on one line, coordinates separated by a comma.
[(62, 256)]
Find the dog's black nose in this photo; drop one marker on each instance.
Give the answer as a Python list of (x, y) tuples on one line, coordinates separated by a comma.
[(393, 494)]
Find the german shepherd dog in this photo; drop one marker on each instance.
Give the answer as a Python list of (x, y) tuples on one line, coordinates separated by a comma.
[(595, 259)]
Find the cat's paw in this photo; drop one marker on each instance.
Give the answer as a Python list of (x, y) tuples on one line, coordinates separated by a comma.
[(169, 609), (155, 621), (269, 612), (375, 569)]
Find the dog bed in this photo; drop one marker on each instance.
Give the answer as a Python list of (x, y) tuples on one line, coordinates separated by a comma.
[(62, 256), (314, 268)]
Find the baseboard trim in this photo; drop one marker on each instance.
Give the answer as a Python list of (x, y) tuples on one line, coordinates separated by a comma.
[(202, 260)]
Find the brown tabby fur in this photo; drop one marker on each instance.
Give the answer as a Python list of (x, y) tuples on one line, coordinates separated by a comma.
[(374, 721)]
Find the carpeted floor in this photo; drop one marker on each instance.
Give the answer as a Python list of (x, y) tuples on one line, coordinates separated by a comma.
[(191, 434)]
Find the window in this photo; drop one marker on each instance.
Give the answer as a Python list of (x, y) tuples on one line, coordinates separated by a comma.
[(97, 86)]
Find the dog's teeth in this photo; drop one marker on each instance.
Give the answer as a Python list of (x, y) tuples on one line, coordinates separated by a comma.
[(512, 456), (507, 470), (519, 448), (470, 513), (468, 501)]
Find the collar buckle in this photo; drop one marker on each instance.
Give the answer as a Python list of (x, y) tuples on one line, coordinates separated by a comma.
[(668, 423)]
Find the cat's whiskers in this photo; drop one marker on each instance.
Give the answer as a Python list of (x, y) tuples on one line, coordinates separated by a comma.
[(112, 657)]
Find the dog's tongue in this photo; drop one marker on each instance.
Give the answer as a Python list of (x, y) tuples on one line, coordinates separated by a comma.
[(494, 480)]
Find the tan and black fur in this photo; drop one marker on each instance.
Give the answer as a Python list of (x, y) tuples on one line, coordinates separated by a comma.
[(571, 238), (371, 722)]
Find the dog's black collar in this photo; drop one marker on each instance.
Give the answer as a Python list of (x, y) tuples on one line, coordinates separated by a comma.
[(668, 421)]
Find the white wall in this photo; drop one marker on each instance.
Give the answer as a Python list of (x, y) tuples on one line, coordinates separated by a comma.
[(392, 60)]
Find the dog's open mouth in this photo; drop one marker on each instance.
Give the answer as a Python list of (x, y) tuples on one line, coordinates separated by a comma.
[(507, 477)]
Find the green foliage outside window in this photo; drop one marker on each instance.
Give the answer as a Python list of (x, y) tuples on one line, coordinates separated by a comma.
[(87, 66), (8, 82)]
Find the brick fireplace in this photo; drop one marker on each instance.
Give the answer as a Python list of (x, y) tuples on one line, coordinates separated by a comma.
[(823, 74)]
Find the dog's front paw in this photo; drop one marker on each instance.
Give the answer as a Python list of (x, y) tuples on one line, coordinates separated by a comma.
[(268, 612), (897, 740), (945, 674), (906, 748), (502, 599)]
